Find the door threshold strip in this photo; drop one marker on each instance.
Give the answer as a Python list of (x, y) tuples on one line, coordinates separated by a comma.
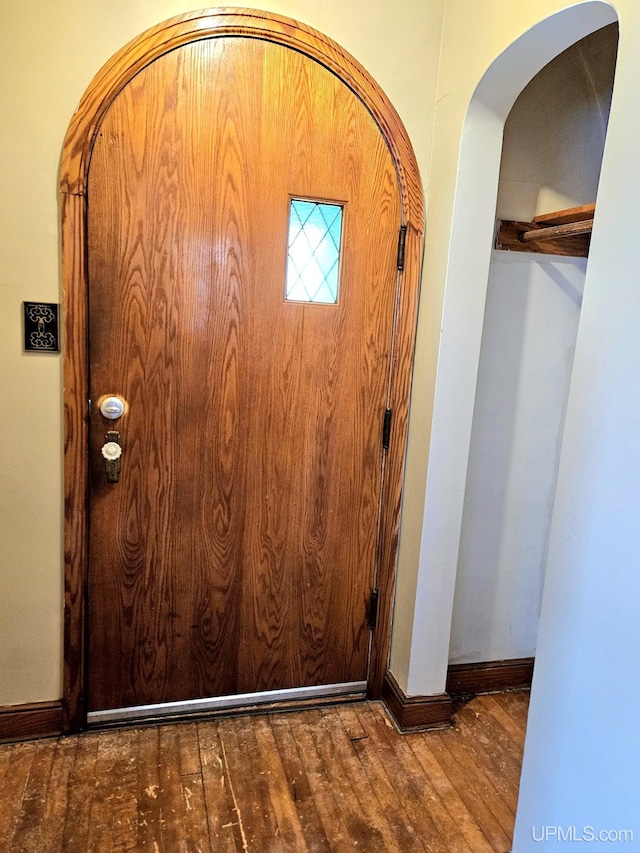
[(218, 703)]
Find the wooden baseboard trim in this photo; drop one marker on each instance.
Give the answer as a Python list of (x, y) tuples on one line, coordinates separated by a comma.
[(415, 713), (490, 676), (23, 722)]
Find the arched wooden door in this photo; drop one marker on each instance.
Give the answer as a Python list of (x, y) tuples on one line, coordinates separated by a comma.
[(243, 220)]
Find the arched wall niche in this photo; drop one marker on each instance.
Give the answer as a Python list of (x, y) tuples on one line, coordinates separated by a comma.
[(102, 91), (551, 160), (428, 625)]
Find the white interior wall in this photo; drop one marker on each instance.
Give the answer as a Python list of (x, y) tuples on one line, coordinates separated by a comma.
[(531, 321), (551, 158), (582, 749), (554, 135)]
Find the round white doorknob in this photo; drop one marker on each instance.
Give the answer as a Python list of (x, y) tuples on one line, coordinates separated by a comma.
[(111, 451), (112, 408)]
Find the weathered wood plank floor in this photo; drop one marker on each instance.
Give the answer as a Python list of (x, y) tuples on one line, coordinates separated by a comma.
[(338, 779)]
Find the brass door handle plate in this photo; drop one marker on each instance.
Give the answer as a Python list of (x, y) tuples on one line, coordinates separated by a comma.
[(111, 452)]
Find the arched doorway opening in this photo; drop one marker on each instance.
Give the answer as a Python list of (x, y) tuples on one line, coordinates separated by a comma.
[(470, 246), (551, 158)]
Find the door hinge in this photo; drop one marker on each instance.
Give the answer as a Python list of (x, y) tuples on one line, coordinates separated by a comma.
[(386, 429), (373, 609), (402, 239)]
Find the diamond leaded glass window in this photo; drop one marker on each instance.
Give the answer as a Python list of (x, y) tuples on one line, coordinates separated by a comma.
[(313, 259)]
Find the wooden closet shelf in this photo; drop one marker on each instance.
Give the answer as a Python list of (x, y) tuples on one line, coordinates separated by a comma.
[(564, 232)]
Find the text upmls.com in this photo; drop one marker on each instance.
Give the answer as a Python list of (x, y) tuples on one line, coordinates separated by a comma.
[(577, 834)]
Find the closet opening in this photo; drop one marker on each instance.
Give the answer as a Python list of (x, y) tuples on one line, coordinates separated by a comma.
[(552, 152)]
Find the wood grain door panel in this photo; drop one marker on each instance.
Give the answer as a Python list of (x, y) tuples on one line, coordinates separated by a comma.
[(237, 552)]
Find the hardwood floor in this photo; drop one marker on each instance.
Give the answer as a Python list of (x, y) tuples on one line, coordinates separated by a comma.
[(334, 779)]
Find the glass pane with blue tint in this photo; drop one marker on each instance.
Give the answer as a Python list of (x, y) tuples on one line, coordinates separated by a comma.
[(313, 261)]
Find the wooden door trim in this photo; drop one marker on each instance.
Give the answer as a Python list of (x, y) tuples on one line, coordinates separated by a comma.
[(79, 141)]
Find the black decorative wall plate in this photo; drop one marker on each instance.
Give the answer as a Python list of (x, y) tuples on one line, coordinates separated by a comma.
[(41, 327)]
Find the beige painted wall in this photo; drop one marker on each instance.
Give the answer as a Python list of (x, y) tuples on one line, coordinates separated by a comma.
[(588, 641), (49, 53)]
